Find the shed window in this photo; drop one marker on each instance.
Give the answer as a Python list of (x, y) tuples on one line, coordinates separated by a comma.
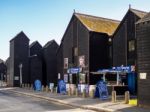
[(131, 45)]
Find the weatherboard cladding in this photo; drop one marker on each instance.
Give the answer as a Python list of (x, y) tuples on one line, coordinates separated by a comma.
[(49, 62), (81, 33), (143, 62), (35, 48), (19, 52), (124, 33), (35, 61), (35, 68)]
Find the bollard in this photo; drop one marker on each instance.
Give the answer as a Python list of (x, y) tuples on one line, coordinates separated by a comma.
[(25, 86), (77, 94), (113, 96), (31, 88), (22, 85), (69, 91), (56, 90), (42, 88), (28, 86), (84, 93), (92, 93), (74, 91), (127, 97), (46, 88), (52, 90)]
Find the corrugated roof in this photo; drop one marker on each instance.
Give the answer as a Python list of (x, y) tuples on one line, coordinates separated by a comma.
[(98, 24), (139, 13), (145, 18)]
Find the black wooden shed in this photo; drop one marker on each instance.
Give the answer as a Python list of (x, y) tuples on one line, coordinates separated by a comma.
[(86, 44), (143, 60)]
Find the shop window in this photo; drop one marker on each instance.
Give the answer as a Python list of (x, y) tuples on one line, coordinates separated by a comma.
[(131, 45)]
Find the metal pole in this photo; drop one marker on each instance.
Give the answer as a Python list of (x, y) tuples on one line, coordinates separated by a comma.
[(104, 78), (117, 78), (20, 67)]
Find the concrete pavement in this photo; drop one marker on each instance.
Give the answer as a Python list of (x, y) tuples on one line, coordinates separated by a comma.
[(11, 102), (85, 103)]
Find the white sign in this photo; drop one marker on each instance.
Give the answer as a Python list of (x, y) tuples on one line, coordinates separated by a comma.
[(65, 62), (65, 77), (58, 75), (16, 78), (143, 75), (51, 86), (82, 61)]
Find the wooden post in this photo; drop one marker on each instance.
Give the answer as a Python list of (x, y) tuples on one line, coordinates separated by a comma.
[(56, 90), (46, 88), (113, 96), (69, 91), (28, 86), (84, 93), (22, 85), (31, 87), (42, 87), (92, 93), (77, 92), (25, 86), (127, 97)]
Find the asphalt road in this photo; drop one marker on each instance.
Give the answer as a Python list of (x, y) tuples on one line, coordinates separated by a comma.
[(11, 102)]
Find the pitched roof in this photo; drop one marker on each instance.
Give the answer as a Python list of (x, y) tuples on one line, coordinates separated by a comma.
[(145, 18), (49, 43), (98, 24), (18, 35), (139, 13), (33, 43), (1, 61)]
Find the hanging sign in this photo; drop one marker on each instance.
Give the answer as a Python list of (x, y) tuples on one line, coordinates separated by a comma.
[(74, 70)]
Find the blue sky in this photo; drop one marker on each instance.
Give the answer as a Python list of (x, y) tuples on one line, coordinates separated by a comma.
[(44, 20)]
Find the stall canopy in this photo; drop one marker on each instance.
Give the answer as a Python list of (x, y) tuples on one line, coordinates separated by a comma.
[(116, 70)]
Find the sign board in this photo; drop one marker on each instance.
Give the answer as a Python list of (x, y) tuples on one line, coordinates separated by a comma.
[(61, 87), (125, 68), (51, 86), (101, 90), (143, 75), (16, 78), (74, 70), (58, 75), (38, 85), (66, 78), (82, 61), (65, 62)]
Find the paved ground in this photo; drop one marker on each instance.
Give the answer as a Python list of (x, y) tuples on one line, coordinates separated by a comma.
[(11, 102), (88, 103)]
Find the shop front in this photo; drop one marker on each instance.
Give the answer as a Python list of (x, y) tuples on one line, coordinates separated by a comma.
[(120, 79)]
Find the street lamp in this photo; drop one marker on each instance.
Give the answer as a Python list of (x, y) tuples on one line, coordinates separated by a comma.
[(20, 68)]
